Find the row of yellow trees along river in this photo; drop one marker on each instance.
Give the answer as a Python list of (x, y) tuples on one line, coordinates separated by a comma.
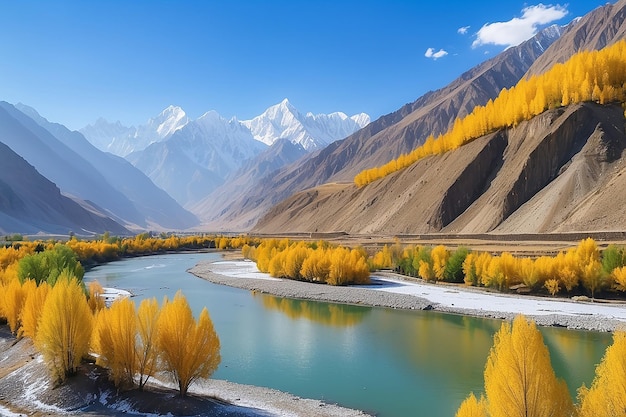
[(584, 268), (520, 382), (42, 297), (598, 76), (314, 262), (581, 268)]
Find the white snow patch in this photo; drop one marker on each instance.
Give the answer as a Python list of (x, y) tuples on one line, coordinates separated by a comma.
[(240, 269), (461, 298), (5, 412)]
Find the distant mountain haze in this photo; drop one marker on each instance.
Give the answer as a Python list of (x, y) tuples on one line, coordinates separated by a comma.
[(158, 208), (101, 180), (31, 204), (121, 140), (190, 159)]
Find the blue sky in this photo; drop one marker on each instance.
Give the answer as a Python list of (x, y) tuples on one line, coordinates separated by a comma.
[(75, 61)]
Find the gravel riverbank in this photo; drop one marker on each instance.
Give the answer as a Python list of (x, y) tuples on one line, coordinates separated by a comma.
[(395, 291)]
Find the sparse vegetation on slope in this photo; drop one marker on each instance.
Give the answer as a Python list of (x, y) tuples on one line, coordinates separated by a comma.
[(598, 76)]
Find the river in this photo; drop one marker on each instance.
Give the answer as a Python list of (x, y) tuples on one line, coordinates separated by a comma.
[(391, 363)]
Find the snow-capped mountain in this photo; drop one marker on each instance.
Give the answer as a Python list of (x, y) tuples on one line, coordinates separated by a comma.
[(190, 158), (121, 140), (312, 132), (198, 157)]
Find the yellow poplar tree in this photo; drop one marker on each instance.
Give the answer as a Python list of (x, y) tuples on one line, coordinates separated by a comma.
[(519, 379), (607, 395), (147, 352), (440, 256), (65, 327), (33, 307), (13, 302), (189, 350), (114, 340), (472, 407), (96, 298)]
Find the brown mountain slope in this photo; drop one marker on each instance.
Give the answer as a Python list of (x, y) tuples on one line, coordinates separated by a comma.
[(382, 140), (597, 29), (560, 171)]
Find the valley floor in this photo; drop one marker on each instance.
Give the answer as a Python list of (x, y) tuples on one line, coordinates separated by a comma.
[(396, 291)]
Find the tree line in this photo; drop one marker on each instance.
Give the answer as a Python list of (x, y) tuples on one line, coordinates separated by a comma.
[(519, 380), (310, 261), (581, 268), (598, 76), (43, 297)]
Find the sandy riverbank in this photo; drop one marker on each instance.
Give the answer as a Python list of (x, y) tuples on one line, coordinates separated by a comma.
[(394, 291)]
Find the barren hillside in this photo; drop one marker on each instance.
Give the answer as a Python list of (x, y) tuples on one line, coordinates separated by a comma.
[(557, 172)]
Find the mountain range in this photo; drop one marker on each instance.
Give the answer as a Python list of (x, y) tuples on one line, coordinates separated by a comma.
[(191, 158), (558, 172), (381, 140), (284, 171), (107, 184)]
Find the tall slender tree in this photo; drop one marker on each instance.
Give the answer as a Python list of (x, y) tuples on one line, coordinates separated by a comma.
[(519, 379), (65, 327), (607, 395)]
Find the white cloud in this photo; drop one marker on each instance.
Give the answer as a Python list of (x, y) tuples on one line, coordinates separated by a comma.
[(519, 29), (463, 30), (430, 53)]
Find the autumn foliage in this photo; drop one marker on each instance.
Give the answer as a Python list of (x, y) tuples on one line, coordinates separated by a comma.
[(607, 395), (64, 329), (519, 379), (584, 268), (314, 262), (598, 76), (189, 349), (42, 297)]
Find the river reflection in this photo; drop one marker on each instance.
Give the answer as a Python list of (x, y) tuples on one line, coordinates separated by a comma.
[(328, 314)]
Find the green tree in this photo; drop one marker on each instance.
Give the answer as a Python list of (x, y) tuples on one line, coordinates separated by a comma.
[(454, 268), (48, 265)]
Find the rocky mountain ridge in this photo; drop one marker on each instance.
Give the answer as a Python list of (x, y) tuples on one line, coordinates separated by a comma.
[(381, 140), (558, 172), (558, 182)]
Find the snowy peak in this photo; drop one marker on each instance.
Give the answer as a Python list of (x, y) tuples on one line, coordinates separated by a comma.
[(167, 122), (283, 121), (121, 140)]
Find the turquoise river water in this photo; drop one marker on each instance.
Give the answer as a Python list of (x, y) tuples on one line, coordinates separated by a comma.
[(392, 363)]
